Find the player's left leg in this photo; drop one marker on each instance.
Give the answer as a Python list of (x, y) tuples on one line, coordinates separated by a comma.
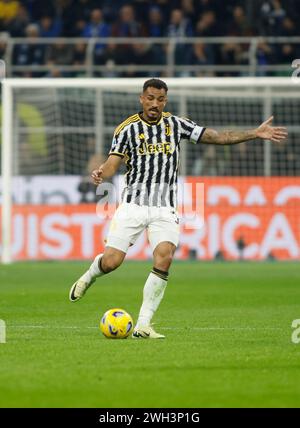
[(163, 234), (154, 290)]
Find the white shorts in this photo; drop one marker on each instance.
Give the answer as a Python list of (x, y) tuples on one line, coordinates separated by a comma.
[(130, 220)]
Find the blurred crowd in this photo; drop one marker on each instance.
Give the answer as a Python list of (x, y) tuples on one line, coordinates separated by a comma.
[(37, 19), (246, 160)]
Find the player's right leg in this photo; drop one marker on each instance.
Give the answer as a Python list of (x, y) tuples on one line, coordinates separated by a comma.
[(127, 224), (103, 264)]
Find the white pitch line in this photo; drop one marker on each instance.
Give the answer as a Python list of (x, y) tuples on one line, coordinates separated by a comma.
[(222, 328), (161, 328), (50, 327)]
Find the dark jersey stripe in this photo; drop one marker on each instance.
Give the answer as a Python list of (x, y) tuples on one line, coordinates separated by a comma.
[(188, 129), (158, 178), (149, 179)]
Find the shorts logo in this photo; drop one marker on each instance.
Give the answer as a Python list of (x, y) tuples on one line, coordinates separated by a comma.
[(175, 217)]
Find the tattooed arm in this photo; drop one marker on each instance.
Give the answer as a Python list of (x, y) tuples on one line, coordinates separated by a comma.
[(265, 132)]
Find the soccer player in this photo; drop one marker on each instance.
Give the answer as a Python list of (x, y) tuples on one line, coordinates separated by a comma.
[(149, 143)]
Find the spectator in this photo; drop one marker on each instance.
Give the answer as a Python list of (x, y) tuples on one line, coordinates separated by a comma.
[(272, 15), (78, 28), (292, 9), (79, 61), (141, 55), (287, 54), (206, 26), (127, 25), (201, 55), (60, 54), (265, 55), (155, 22), (38, 8), (202, 18), (164, 6), (239, 25), (18, 24), (79, 54), (111, 57), (156, 28), (30, 54), (180, 27), (50, 27), (288, 28), (97, 27), (231, 54), (188, 9), (203, 6), (75, 14), (8, 12), (141, 9)]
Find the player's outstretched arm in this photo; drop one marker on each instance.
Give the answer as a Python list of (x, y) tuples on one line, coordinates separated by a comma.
[(107, 169), (265, 132)]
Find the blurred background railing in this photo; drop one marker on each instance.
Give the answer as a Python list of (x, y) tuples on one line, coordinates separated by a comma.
[(142, 57)]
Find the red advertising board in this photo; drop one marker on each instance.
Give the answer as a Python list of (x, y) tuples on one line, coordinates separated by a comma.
[(261, 212)]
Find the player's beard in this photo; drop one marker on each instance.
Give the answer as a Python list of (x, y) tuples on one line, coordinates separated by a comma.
[(153, 114)]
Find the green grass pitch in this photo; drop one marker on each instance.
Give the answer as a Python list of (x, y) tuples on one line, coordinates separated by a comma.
[(228, 343)]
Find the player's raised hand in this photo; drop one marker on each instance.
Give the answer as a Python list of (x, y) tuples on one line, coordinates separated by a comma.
[(273, 133), (97, 176)]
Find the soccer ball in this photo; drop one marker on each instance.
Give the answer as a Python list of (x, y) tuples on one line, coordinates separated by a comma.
[(116, 324)]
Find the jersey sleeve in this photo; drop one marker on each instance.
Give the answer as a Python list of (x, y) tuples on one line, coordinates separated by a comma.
[(190, 130), (119, 143)]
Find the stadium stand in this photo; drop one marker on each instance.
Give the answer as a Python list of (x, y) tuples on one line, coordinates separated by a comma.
[(23, 22)]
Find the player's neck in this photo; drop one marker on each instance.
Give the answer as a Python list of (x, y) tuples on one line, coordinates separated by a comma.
[(147, 119)]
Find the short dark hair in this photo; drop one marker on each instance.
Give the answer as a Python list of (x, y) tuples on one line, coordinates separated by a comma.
[(155, 83)]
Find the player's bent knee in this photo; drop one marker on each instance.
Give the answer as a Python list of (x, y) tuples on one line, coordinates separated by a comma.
[(111, 260), (108, 265)]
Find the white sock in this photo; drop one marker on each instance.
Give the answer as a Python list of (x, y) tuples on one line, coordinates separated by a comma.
[(152, 296), (93, 271)]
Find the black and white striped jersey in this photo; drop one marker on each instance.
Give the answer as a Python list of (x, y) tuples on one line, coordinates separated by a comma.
[(151, 152)]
